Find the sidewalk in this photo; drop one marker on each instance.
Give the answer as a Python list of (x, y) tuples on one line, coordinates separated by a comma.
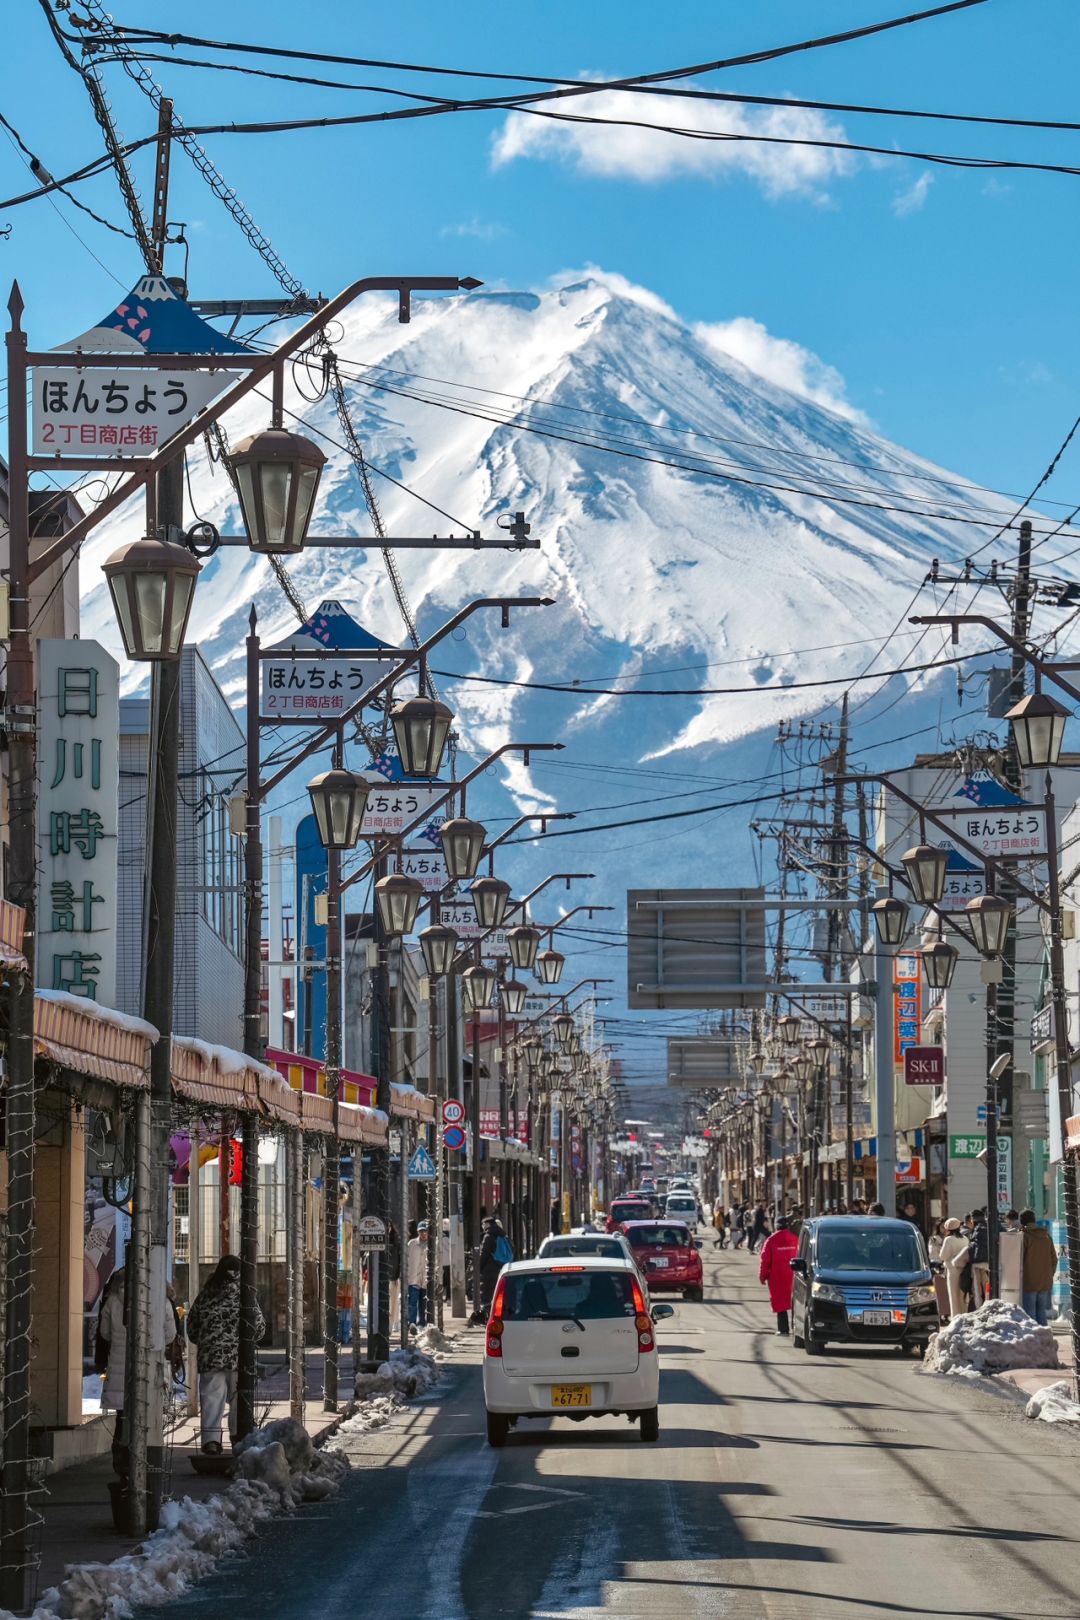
[(77, 1525)]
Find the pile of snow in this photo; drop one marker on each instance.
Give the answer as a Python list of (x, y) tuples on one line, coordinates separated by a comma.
[(432, 1340), (1054, 1404), (405, 1372), (995, 1338), (279, 1467)]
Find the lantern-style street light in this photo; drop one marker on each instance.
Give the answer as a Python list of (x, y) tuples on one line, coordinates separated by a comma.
[(490, 896), (524, 941), (421, 727), (549, 966), (439, 947), (890, 919), (789, 1027), (563, 1026), (463, 843), (277, 477), (1038, 728), (939, 963), (989, 916), (802, 1066), (477, 984), (757, 1061), (398, 900), (925, 866), (512, 993), (152, 584), (339, 799)]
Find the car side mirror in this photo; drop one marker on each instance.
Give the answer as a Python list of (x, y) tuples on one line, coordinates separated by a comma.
[(660, 1313), (798, 1265)]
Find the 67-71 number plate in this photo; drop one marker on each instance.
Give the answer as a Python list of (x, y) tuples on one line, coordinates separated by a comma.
[(571, 1394)]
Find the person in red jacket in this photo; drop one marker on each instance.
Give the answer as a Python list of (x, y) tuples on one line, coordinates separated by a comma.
[(775, 1269)]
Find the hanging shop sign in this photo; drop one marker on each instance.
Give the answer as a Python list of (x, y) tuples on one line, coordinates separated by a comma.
[(460, 915), (924, 1066), (966, 1147), (78, 808), (907, 1005), (127, 412)]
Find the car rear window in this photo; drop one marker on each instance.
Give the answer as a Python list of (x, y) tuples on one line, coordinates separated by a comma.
[(870, 1249), (560, 1296), (659, 1237), (630, 1209), (609, 1247), (681, 1201)]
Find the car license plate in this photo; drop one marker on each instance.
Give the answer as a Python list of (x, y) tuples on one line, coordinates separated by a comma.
[(877, 1318), (571, 1394), (660, 1261)]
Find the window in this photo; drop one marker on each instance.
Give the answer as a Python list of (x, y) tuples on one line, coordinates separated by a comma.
[(562, 1296), (870, 1248), (659, 1237)]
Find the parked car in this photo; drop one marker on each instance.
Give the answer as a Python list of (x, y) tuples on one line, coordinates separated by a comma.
[(668, 1256), (571, 1338), (632, 1207), (682, 1206), (862, 1280)]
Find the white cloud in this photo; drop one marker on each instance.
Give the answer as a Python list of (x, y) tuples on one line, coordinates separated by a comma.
[(478, 228), (914, 196), (780, 361), (617, 152)]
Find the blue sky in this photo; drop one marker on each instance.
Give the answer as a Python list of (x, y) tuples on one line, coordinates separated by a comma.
[(945, 299)]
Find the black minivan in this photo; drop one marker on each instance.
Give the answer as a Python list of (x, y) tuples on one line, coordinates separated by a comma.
[(862, 1279)]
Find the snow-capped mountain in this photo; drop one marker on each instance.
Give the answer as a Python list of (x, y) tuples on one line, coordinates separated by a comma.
[(722, 571)]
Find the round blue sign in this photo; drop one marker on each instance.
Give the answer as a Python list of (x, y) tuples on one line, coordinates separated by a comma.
[(454, 1137)]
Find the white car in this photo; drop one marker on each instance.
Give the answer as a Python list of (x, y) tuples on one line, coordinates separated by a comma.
[(682, 1206), (609, 1245), (572, 1338)]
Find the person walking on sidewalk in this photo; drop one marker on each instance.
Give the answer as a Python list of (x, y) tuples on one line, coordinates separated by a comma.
[(110, 1355), (760, 1228), (1038, 1264), (416, 1275), (213, 1326), (980, 1257), (954, 1257), (496, 1251), (775, 1269)]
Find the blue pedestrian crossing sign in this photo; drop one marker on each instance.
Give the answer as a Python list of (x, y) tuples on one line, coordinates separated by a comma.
[(421, 1167)]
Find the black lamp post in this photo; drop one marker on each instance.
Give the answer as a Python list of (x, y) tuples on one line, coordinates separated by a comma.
[(549, 966), (477, 984), (438, 945), (989, 917), (890, 919), (925, 866), (1038, 728), (398, 898), (490, 897), (513, 993), (152, 584), (789, 1027), (462, 842), (421, 727), (939, 964), (277, 476), (339, 799)]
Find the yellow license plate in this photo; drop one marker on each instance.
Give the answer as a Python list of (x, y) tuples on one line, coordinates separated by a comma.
[(571, 1394)]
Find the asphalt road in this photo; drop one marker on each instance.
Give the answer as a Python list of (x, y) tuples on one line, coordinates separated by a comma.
[(847, 1485)]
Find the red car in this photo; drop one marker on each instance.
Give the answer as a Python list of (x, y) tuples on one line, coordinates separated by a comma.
[(668, 1256), (627, 1209)]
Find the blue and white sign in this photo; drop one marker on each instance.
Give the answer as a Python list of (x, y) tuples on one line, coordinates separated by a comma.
[(421, 1166)]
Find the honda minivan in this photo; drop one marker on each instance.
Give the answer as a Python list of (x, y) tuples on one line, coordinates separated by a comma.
[(571, 1338), (862, 1279)]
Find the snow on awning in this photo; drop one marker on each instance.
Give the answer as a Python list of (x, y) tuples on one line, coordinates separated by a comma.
[(12, 935), (408, 1103), (95, 1041)]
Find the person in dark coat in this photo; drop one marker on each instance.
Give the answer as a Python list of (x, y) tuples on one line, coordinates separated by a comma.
[(760, 1227), (213, 1325), (493, 1256), (775, 1269)]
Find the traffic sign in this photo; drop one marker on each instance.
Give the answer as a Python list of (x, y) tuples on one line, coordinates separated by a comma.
[(421, 1167), (371, 1232), (453, 1111), (454, 1138)]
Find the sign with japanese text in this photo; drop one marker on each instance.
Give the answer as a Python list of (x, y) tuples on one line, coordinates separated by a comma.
[(1043, 1036), (966, 1147), (309, 689), (907, 1004), (77, 411), (1010, 832), (962, 883), (924, 1066), (78, 807), (392, 806), (1004, 1173), (460, 915), (427, 866)]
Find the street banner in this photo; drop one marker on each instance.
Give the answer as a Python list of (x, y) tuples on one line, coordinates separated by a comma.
[(1017, 834), (78, 410), (907, 1005), (924, 1066), (304, 689)]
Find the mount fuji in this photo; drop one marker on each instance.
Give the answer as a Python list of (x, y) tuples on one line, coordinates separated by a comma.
[(711, 514)]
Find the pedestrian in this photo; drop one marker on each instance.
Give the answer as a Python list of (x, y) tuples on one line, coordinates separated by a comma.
[(954, 1257), (496, 1251), (416, 1275), (720, 1223), (555, 1223), (738, 1226), (876, 1209), (110, 1355), (910, 1213), (445, 1253), (941, 1287), (1012, 1221), (760, 1228), (775, 1269), (1039, 1264), (393, 1273), (213, 1325), (980, 1257)]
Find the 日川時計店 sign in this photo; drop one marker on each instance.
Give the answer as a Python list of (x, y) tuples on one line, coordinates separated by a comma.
[(127, 412)]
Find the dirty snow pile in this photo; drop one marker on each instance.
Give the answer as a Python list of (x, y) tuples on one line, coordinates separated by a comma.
[(1054, 1404), (995, 1338), (278, 1467), (403, 1376)]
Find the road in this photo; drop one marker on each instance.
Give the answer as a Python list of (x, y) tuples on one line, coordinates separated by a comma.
[(782, 1487)]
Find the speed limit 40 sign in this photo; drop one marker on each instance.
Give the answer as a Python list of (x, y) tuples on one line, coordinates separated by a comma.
[(453, 1112)]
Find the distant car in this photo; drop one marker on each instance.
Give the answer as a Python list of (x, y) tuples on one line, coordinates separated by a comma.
[(571, 1339), (633, 1208), (668, 1256), (862, 1280), (682, 1206), (611, 1246)]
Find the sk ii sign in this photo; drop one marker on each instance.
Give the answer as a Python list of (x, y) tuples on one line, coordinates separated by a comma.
[(924, 1066)]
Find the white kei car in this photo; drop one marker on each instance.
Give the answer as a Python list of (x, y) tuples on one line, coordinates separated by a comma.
[(571, 1338)]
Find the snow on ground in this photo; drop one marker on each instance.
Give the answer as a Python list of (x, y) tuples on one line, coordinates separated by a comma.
[(1054, 1404), (406, 1374), (995, 1338)]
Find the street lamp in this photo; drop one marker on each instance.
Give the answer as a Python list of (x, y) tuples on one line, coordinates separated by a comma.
[(152, 584), (439, 947), (523, 941), (549, 966), (1038, 728), (339, 799), (277, 476), (939, 964), (490, 896), (758, 1061), (789, 1027), (890, 919), (533, 1055), (925, 867), (989, 916), (421, 727), (477, 983), (398, 899), (462, 842), (513, 994), (563, 1025), (802, 1067)]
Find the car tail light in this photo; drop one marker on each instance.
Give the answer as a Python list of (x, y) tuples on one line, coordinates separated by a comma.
[(496, 1326), (642, 1319)]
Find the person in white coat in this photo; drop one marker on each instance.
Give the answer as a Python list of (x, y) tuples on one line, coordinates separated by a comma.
[(112, 1334), (955, 1249)]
